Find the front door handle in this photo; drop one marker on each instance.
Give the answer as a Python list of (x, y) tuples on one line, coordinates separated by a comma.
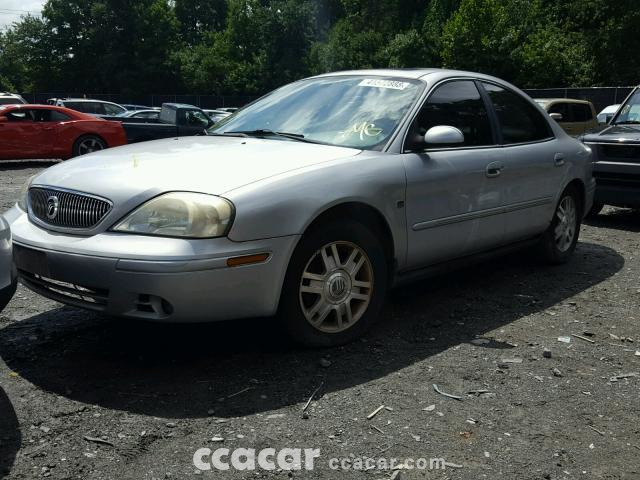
[(494, 169), (558, 159)]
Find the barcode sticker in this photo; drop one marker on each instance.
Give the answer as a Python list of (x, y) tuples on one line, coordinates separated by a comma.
[(380, 83)]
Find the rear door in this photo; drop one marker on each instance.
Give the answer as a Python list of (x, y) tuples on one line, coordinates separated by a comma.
[(454, 195), (534, 162)]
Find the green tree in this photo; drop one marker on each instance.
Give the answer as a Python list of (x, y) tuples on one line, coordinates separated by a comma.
[(199, 17)]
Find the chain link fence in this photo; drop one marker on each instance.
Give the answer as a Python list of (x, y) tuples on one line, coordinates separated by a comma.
[(151, 100), (599, 96)]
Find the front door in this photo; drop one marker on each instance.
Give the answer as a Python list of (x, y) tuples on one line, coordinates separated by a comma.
[(454, 194)]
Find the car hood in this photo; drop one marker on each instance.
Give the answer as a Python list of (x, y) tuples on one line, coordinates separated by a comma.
[(210, 164), (615, 134)]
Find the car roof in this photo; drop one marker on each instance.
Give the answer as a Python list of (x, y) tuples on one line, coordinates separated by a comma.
[(558, 100), (413, 73), (87, 100)]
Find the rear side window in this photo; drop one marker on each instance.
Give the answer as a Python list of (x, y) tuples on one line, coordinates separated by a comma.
[(519, 120), (56, 116), (86, 107), (457, 104), (9, 101), (581, 112)]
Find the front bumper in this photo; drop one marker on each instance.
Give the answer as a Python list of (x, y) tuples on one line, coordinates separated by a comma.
[(153, 278)]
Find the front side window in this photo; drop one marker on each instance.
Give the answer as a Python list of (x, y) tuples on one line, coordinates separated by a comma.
[(20, 116), (456, 104), (519, 120), (351, 111), (196, 119)]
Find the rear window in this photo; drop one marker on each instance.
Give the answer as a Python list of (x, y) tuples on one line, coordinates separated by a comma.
[(581, 112), (563, 109), (520, 121), (86, 107), (168, 115)]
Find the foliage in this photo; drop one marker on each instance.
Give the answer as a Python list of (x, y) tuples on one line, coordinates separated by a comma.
[(252, 46)]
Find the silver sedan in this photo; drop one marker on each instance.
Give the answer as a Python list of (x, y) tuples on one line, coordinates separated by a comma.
[(310, 202), (7, 269)]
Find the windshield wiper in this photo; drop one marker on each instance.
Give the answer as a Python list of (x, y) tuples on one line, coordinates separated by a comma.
[(628, 122), (264, 132), (226, 134)]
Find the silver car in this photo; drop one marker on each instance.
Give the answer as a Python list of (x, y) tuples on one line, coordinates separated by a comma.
[(7, 270), (311, 202)]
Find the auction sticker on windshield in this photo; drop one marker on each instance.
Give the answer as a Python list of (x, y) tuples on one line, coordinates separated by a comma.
[(380, 83)]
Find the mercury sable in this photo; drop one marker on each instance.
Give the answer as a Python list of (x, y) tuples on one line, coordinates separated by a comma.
[(311, 202)]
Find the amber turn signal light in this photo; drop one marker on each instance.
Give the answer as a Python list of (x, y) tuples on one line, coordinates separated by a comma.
[(247, 260)]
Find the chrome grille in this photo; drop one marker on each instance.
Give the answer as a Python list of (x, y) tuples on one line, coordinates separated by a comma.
[(67, 209)]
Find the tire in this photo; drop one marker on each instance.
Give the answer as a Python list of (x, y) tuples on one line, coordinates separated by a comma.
[(560, 239), (343, 305), (595, 210), (88, 144)]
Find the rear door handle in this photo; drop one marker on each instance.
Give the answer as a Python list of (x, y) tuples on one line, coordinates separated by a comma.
[(558, 159), (494, 169)]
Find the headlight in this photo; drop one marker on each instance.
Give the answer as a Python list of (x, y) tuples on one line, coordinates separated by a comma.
[(180, 214), (23, 197)]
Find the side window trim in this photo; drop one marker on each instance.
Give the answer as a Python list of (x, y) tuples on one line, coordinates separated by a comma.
[(431, 91), (493, 116)]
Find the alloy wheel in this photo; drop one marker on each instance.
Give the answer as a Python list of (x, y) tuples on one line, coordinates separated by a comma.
[(89, 145), (565, 230), (336, 287)]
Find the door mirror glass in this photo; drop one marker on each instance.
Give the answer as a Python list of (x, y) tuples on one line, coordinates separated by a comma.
[(556, 116), (443, 135)]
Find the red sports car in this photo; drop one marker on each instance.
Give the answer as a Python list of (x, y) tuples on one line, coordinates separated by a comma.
[(45, 131)]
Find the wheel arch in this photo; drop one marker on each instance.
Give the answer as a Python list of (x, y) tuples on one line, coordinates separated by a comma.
[(83, 135), (579, 185), (363, 213)]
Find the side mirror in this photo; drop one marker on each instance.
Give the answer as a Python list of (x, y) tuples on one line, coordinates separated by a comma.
[(556, 116), (3, 119), (443, 135)]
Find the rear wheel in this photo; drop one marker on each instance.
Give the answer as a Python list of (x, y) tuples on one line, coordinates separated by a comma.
[(335, 285), (88, 144), (560, 239)]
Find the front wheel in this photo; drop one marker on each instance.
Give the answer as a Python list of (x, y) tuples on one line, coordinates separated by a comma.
[(88, 144), (335, 285), (560, 239)]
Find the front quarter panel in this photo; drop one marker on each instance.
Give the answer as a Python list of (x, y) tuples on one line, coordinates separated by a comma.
[(287, 204)]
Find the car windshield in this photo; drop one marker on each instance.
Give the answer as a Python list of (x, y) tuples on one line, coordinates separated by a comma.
[(630, 111), (350, 111)]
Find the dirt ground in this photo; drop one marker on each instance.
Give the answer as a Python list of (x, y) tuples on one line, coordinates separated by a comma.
[(86, 397)]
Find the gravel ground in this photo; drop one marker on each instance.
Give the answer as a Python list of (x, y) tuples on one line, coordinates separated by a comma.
[(157, 393)]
